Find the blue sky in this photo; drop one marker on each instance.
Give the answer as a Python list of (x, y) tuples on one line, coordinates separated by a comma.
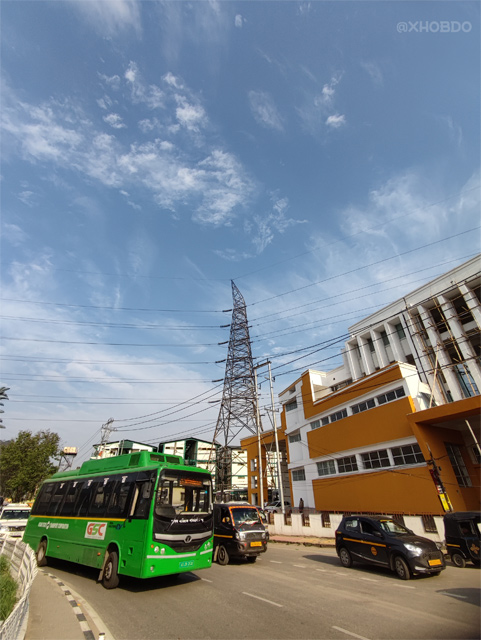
[(324, 155)]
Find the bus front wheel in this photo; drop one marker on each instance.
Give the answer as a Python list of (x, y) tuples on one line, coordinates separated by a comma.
[(42, 554), (110, 577)]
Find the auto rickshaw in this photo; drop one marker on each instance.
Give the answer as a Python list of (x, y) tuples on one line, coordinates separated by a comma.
[(463, 532)]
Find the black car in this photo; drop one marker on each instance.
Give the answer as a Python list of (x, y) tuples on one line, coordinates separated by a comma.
[(381, 541), (463, 537)]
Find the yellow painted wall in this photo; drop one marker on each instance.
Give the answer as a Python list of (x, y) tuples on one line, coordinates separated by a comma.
[(409, 491), (384, 423)]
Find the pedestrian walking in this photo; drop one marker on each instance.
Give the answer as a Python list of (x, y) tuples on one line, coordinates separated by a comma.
[(301, 505)]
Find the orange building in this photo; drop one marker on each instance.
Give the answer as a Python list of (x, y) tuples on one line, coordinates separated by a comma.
[(372, 446)]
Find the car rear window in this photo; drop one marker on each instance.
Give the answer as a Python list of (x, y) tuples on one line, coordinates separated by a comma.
[(352, 525)]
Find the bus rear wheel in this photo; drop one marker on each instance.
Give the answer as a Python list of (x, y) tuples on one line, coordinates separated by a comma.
[(110, 577), (42, 554)]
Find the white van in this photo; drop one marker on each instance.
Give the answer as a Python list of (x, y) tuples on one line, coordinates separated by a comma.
[(13, 519)]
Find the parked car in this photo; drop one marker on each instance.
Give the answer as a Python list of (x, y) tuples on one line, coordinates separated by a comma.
[(276, 506), (13, 519), (381, 541), (462, 530)]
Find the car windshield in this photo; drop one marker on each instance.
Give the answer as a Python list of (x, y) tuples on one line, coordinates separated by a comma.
[(15, 514), (245, 515), (392, 527)]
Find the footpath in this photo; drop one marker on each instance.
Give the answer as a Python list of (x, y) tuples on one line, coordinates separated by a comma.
[(56, 612)]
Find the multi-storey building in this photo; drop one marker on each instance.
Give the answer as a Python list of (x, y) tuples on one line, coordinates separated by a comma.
[(396, 428)]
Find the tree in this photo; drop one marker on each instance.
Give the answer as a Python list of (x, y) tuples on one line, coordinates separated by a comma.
[(26, 462)]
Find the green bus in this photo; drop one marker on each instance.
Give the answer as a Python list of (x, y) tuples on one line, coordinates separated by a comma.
[(141, 514)]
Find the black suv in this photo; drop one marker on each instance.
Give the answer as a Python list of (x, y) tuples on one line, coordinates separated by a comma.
[(381, 541)]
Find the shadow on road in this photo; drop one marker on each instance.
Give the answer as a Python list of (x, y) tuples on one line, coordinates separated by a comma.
[(135, 585), (470, 595)]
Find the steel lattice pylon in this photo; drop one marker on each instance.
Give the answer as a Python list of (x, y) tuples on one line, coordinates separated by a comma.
[(238, 409)]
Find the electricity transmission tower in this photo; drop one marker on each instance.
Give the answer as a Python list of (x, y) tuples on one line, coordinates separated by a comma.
[(238, 410)]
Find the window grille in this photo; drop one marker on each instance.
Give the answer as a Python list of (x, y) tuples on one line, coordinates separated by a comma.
[(429, 524)]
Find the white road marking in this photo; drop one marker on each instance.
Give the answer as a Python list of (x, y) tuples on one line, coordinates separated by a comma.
[(206, 580), (323, 570), (454, 595), (349, 633), (276, 604), (369, 579), (301, 566), (275, 561), (401, 586)]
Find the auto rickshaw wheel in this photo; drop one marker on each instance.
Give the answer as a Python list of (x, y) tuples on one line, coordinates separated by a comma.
[(222, 555), (458, 560)]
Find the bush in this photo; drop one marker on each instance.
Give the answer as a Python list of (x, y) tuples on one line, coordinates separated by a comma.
[(8, 589)]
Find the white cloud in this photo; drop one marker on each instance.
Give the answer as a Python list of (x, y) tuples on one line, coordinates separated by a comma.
[(336, 121), (264, 227), (110, 17), (114, 120), (190, 116), (264, 110), (150, 95), (374, 71), (111, 81), (14, 234), (238, 21)]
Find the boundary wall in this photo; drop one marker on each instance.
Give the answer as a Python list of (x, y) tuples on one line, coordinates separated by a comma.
[(295, 525), (23, 568)]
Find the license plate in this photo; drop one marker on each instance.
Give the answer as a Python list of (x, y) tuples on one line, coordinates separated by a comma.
[(256, 544), (434, 563)]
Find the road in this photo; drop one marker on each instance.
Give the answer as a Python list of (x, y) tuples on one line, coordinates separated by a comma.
[(291, 592)]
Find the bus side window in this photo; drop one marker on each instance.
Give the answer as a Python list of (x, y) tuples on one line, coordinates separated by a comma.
[(85, 497), (73, 490), (120, 500), (57, 498), (144, 488), (43, 499)]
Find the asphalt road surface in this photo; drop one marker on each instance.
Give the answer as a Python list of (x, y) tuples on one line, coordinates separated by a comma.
[(292, 592)]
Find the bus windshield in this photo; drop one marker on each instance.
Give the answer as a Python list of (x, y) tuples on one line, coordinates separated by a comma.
[(181, 493)]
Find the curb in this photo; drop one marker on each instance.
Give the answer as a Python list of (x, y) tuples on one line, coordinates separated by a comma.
[(77, 603), (84, 625), (305, 543)]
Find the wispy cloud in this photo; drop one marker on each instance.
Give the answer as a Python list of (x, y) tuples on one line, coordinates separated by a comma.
[(264, 110), (319, 108), (110, 18), (115, 121)]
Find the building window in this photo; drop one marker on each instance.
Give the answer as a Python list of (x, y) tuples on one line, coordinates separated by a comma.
[(409, 454), (325, 421), (363, 406), (375, 459), (298, 475), (459, 468), (292, 390), (339, 415), (295, 438), (385, 339), (326, 468), (400, 331), (253, 482), (347, 464), (476, 454), (316, 424), (370, 344), (253, 462), (326, 519), (290, 406), (391, 395), (429, 524)]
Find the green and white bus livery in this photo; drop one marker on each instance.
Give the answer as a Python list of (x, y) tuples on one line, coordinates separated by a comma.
[(142, 514)]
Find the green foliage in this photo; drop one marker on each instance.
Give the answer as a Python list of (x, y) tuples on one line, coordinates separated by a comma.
[(8, 589), (26, 462)]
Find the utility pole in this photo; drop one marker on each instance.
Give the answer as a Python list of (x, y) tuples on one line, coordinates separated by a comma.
[(238, 409)]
